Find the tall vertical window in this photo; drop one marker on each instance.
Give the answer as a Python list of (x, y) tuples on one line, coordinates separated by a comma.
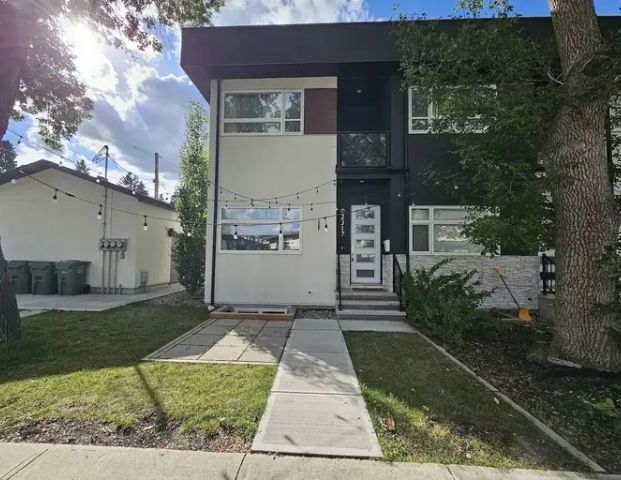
[(439, 230), (261, 229), (263, 113)]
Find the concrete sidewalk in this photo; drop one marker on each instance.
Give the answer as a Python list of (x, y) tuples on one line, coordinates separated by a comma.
[(91, 302), (73, 462), (315, 406)]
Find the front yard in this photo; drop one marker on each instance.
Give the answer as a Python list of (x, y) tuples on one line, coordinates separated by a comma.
[(78, 377), (425, 409)]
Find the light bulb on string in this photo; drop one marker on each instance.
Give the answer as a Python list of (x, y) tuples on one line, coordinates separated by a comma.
[(145, 227), (325, 227), (280, 232), (235, 233), (13, 181), (99, 213), (55, 196), (311, 207)]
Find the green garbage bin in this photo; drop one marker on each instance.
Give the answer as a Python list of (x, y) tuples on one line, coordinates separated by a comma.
[(71, 276), (43, 278), (19, 273)]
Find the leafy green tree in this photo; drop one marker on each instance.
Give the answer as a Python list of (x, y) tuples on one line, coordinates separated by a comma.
[(526, 119), (7, 156), (191, 202), (133, 182), (82, 167)]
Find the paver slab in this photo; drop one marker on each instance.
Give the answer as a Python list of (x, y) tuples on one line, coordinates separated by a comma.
[(184, 352), (201, 339), (334, 425), (316, 341), (327, 373), (273, 332), (225, 322), (255, 354), (223, 354), (233, 340), (266, 467), (14, 456), (247, 329), (262, 341), (212, 329), (375, 326), (64, 462), (253, 323), (315, 324)]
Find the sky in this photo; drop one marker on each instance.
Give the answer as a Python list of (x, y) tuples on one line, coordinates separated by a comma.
[(141, 98)]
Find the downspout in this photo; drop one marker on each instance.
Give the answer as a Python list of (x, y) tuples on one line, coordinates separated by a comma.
[(215, 199), (406, 190)]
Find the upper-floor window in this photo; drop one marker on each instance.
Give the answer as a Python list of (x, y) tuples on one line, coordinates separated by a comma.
[(439, 230), (273, 112), (363, 149), (422, 112)]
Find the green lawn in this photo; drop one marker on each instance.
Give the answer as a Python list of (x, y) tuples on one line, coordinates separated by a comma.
[(87, 366), (425, 409)]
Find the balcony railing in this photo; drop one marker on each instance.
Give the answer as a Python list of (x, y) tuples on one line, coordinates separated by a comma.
[(363, 149)]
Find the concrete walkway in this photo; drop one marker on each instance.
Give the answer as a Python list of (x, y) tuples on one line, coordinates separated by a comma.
[(89, 302), (315, 406), (72, 462)]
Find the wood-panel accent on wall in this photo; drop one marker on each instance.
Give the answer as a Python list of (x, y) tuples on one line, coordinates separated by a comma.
[(319, 111)]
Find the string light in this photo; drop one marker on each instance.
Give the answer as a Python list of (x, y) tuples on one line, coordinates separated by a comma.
[(235, 233), (325, 227), (14, 181), (55, 196), (280, 232), (145, 227), (99, 214)]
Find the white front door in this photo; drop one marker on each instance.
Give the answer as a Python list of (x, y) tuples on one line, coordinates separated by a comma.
[(366, 261)]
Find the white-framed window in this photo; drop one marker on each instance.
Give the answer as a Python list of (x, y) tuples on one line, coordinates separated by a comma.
[(266, 112), (265, 230), (439, 230), (422, 112)]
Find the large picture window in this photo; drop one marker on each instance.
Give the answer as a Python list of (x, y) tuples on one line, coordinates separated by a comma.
[(260, 229), (439, 230), (263, 113)]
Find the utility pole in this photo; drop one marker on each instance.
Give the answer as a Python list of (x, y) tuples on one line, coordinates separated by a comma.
[(157, 176)]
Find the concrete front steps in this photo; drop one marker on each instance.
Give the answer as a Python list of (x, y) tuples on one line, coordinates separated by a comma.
[(369, 304)]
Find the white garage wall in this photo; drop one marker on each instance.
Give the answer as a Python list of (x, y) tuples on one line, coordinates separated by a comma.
[(263, 166), (33, 228)]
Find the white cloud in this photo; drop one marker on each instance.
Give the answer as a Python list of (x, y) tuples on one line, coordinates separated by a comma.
[(261, 12)]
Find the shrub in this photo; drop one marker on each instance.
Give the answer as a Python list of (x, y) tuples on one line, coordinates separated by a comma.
[(448, 305)]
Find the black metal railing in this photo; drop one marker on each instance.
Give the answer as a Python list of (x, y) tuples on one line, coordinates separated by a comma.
[(548, 274), (338, 282), (397, 281), (363, 149)]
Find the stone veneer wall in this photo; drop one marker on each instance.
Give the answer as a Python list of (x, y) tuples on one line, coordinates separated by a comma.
[(520, 272)]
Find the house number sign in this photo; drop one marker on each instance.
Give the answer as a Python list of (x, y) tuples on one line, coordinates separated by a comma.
[(342, 222)]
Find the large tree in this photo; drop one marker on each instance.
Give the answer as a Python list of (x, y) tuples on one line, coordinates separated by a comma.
[(526, 116), (37, 71), (191, 202), (7, 156)]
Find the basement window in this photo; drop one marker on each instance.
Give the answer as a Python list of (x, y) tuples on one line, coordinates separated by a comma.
[(439, 230), (274, 112), (267, 230)]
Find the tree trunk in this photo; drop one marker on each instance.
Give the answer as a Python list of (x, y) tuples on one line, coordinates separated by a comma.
[(17, 20), (9, 314), (586, 218)]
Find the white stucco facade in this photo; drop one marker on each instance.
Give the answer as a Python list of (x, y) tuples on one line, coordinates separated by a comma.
[(266, 166), (34, 228)]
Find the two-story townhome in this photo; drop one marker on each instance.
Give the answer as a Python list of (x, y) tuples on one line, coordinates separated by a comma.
[(317, 156)]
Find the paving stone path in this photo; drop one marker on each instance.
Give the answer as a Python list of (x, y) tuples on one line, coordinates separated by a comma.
[(315, 406)]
